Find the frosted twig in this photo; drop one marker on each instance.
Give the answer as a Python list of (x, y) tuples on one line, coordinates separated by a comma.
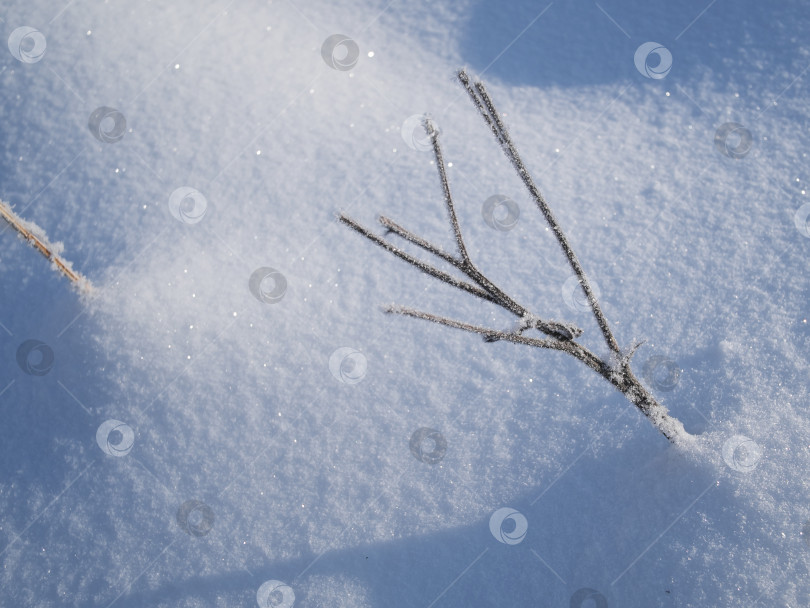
[(480, 98), (28, 231), (560, 335), (495, 335), (419, 241), (426, 268)]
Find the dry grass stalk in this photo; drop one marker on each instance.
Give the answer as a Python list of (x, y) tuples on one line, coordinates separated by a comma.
[(615, 367), (36, 237)]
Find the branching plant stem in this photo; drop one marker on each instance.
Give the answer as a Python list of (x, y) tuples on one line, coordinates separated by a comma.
[(558, 335)]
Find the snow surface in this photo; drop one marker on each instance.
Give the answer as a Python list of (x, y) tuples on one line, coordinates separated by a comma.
[(298, 453)]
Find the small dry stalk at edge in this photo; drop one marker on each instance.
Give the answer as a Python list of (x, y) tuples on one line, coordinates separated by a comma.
[(36, 237), (558, 336)]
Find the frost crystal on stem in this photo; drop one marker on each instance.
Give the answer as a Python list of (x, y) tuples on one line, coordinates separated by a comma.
[(37, 238), (615, 368)]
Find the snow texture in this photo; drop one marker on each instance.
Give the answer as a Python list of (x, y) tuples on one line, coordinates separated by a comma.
[(229, 407)]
